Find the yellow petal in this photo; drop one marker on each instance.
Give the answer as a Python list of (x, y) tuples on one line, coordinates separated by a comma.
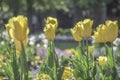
[(102, 60), (19, 47), (77, 31), (87, 24), (49, 31)]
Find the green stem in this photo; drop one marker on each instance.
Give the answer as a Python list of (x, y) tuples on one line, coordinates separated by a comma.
[(56, 64), (55, 71), (78, 54), (113, 54), (114, 69), (99, 49), (83, 44), (55, 61), (87, 57), (24, 66), (79, 44)]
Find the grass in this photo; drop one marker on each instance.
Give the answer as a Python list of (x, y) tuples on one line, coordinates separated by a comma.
[(65, 44)]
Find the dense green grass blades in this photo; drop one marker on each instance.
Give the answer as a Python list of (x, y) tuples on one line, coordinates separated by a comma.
[(9, 71), (15, 67)]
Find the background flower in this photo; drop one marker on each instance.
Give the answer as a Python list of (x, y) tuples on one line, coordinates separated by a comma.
[(102, 60)]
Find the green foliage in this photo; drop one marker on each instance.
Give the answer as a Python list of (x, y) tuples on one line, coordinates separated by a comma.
[(14, 68), (46, 5)]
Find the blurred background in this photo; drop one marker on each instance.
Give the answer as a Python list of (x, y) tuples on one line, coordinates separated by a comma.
[(68, 12)]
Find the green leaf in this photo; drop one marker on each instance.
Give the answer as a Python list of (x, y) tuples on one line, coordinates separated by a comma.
[(109, 56), (45, 69), (23, 64), (8, 70), (50, 55)]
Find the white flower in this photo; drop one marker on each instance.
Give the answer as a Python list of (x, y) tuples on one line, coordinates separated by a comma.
[(45, 45), (45, 41), (31, 43), (116, 42), (32, 38), (2, 43), (37, 45), (41, 36)]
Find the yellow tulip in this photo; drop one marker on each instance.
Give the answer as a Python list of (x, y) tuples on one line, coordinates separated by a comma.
[(99, 35), (49, 31), (43, 76), (53, 21), (111, 30), (50, 28), (21, 28), (37, 58), (67, 73), (102, 60), (107, 32), (87, 24), (77, 31), (18, 30), (10, 27)]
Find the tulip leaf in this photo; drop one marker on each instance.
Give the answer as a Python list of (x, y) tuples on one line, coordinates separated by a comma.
[(110, 56), (23, 64)]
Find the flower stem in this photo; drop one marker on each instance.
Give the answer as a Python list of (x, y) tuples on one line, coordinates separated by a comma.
[(23, 64), (87, 57), (113, 54)]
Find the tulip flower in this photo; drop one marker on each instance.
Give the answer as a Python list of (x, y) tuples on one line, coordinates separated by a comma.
[(21, 28), (10, 28), (43, 76), (107, 32), (102, 60), (49, 31), (111, 30), (53, 21), (77, 31), (67, 73), (50, 28), (99, 35), (18, 30), (87, 24)]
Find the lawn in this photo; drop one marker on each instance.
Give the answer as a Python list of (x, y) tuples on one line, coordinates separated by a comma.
[(65, 44)]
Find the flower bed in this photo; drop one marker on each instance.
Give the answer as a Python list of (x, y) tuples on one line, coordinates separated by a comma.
[(21, 62)]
